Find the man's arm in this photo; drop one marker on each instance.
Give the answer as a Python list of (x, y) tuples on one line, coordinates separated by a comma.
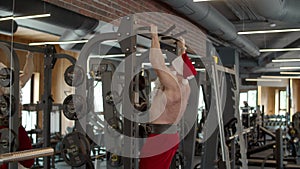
[(157, 60), (181, 46), (27, 70)]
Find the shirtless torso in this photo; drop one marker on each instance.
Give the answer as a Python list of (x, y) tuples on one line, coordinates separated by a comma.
[(165, 109), (171, 97)]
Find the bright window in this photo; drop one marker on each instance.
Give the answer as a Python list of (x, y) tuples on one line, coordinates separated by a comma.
[(252, 94), (98, 99), (282, 102)]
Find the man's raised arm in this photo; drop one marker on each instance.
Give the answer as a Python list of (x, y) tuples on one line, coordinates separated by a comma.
[(27, 70), (157, 60)]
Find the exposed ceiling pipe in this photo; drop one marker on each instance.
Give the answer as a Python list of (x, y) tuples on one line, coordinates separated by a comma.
[(71, 25), (283, 10), (8, 27), (209, 18)]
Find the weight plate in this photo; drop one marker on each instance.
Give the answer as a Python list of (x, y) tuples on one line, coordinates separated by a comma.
[(75, 149), (5, 77), (7, 103), (74, 107), (74, 75), (7, 140)]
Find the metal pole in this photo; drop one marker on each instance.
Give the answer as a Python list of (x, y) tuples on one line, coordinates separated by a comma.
[(14, 91), (49, 62), (279, 149), (225, 153)]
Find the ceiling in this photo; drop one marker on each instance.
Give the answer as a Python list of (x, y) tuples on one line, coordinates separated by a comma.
[(243, 15), (249, 15)]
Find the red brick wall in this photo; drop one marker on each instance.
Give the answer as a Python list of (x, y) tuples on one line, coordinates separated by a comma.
[(109, 10)]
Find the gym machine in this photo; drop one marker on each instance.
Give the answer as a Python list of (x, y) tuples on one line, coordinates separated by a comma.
[(223, 142), (9, 109), (46, 105), (76, 146), (124, 128)]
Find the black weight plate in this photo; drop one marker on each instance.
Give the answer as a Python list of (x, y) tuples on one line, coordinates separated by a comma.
[(5, 77), (7, 105), (74, 75), (74, 107), (75, 149), (7, 140)]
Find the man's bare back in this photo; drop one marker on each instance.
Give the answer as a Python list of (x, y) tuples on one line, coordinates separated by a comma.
[(171, 97)]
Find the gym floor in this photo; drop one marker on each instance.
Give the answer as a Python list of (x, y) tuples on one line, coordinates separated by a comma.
[(102, 165)]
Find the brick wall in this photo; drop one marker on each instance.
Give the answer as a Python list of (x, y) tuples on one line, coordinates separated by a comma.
[(109, 10)]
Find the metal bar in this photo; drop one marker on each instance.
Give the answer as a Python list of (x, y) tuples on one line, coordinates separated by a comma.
[(258, 162), (189, 118), (266, 131), (262, 148), (279, 149), (292, 166), (239, 126), (68, 57), (179, 34), (14, 123), (232, 153), (245, 131), (14, 119), (26, 155), (128, 46), (49, 62), (225, 69), (168, 30), (225, 153)]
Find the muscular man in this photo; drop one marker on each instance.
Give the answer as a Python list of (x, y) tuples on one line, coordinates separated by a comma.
[(24, 140), (168, 105)]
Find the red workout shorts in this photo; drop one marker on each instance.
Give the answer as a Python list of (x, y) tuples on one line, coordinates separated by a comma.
[(158, 151)]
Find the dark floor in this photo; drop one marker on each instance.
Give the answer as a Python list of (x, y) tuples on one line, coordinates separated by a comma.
[(102, 164)]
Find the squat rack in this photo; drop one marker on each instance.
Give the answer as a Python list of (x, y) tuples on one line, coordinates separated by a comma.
[(127, 38)]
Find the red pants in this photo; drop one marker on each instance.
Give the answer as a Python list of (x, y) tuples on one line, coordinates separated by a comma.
[(158, 151)]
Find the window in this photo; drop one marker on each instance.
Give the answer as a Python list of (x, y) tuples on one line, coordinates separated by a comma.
[(29, 119), (252, 94), (243, 97), (282, 102), (201, 104), (250, 97), (98, 101)]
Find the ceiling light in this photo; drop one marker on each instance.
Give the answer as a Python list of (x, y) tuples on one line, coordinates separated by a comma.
[(279, 50), (112, 56), (57, 43), (25, 17), (289, 68), (202, 0), (286, 60), (290, 73), (263, 80), (200, 69), (268, 31), (281, 77)]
